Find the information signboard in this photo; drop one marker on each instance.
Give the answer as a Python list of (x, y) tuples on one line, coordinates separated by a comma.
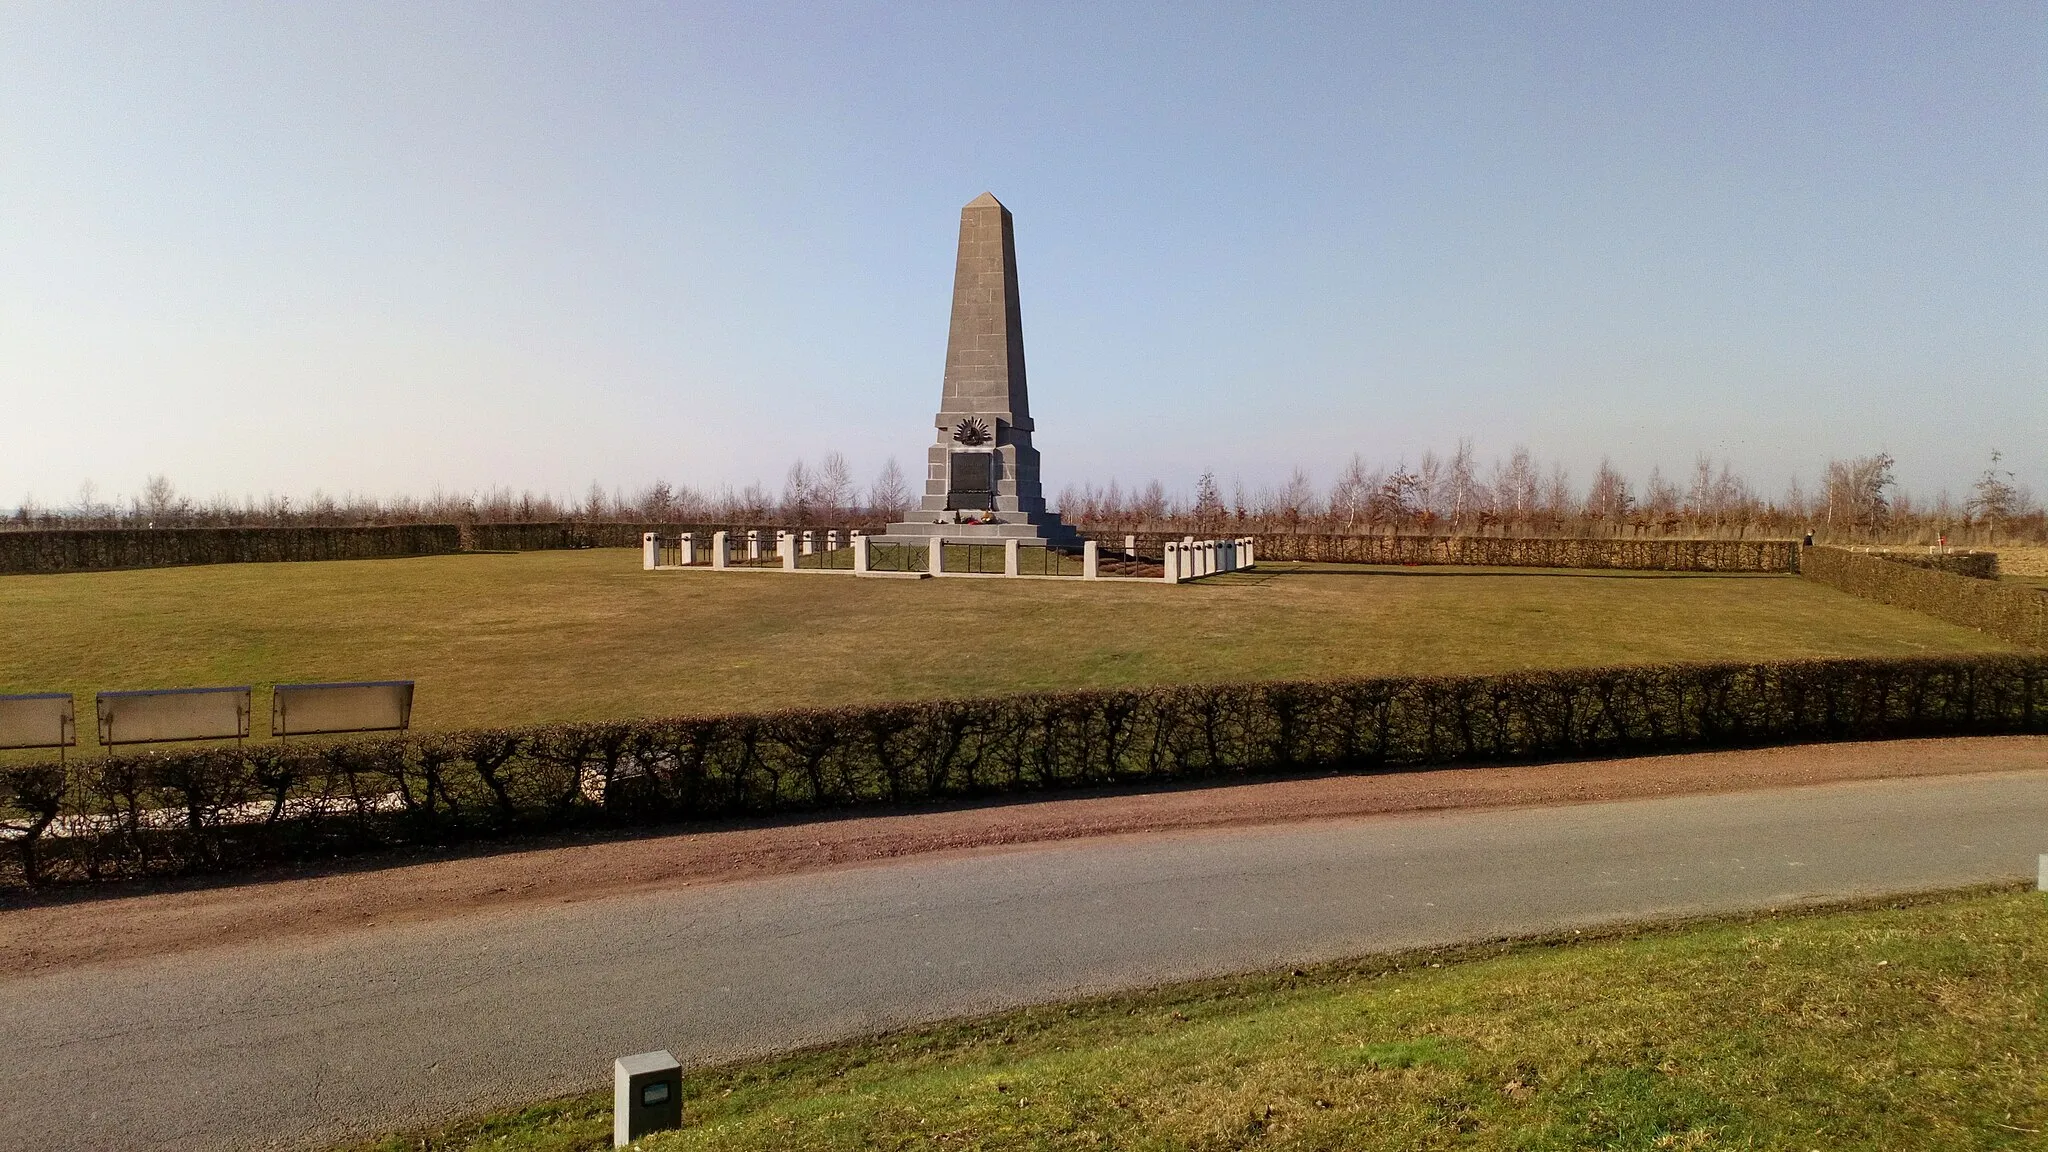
[(38, 720), (365, 706), (166, 714)]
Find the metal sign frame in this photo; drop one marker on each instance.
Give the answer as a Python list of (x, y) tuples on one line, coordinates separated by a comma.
[(398, 694), (65, 715), (107, 705)]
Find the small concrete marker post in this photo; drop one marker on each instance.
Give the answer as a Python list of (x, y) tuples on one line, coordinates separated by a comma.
[(721, 549), (1089, 560), (647, 1096), (810, 542), (1130, 547), (1011, 567), (650, 551), (785, 546), (832, 540), (860, 554), (938, 565), (689, 542), (2041, 878)]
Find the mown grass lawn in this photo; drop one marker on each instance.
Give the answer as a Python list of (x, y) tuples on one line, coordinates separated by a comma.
[(1912, 1026), (514, 639)]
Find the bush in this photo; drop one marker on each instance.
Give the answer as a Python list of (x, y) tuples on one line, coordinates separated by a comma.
[(208, 809), (2016, 613)]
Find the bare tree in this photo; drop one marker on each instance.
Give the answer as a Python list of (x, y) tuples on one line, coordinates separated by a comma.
[(799, 493), (889, 496), (1609, 498), (1208, 511), (1351, 495), (1398, 498), (835, 485), (1857, 492), (1994, 497)]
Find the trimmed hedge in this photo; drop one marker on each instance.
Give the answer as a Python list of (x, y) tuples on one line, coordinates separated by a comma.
[(1975, 565), (1510, 552), (2017, 613), (210, 809), (98, 549)]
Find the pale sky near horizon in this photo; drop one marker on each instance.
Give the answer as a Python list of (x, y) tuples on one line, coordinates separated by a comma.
[(398, 247)]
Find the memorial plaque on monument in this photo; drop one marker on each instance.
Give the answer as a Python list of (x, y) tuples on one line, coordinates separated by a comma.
[(971, 480)]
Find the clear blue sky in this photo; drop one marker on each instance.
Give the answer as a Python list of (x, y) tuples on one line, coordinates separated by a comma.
[(385, 248)]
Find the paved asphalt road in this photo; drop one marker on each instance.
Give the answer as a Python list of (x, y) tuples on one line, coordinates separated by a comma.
[(309, 1043)]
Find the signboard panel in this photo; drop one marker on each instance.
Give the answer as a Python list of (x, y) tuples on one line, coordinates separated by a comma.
[(173, 714), (41, 720), (368, 706)]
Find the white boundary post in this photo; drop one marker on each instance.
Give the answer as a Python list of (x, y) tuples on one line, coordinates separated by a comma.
[(832, 540), (1011, 567), (1172, 558), (1130, 547), (753, 543), (809, 542), (650, 551), (689, 543), (721, 549), (860, 554), (937, 566), (1089, 561), (785, 544)]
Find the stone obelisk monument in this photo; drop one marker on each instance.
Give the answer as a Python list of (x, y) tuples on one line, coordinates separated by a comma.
[(983, 474)]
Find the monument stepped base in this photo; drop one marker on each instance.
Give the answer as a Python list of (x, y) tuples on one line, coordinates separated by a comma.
[(1032, 527)]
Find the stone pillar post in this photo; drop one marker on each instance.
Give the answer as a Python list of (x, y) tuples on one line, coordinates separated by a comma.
[(689, 548), (937, 567), (1010, 557), (860, 554), (785, 546), (1089, 560), (1130, 547), (832, 540), (721, 549), (753, 543), (650, 551), (1172, 561), (809, 542), (1251, 551)]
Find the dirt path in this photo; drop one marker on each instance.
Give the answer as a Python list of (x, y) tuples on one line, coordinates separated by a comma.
[(143, 921)]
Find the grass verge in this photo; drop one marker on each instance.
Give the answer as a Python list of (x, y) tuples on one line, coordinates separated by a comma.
[(1915, 1024)]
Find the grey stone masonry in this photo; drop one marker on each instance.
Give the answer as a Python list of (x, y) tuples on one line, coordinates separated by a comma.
[(983, 466)]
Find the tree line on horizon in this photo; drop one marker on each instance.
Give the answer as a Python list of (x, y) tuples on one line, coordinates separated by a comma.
[(1445, 494)]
